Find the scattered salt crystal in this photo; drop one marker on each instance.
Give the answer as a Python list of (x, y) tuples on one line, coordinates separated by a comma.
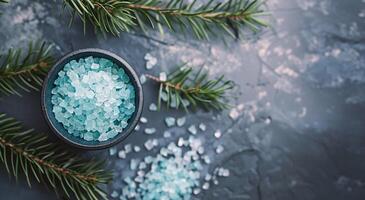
[(151, 61), (143, 120), (225, 173), (122, 154), (133, 164), (181, 121), (143, 79), (201, 150), (205, 186), (208, 177), (137, 148), (196, 191), (217, 133), (234, 113), (192, 129), (128, 148), (152, 107), (202, 127), (155, 142), (170, 121), (142, 165), (215, 181), (268, 120), (149, 145), (163, 76), (206, 159), (166, 134), (112, 151), (137, 127), (114, 194), (149, 131), (219, 149), (180, 142)]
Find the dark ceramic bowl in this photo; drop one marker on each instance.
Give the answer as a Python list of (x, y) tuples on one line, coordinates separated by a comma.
[(58, 128)]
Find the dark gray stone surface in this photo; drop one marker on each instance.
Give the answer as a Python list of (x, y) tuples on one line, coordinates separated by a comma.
[(306, 74)]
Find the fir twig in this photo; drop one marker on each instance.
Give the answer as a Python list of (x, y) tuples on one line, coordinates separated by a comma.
[(4, 1), (115, 16), (24, 71), (184, 87), (30, 153)]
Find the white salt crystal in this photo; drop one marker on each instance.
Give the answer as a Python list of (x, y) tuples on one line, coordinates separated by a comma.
[(196, 191), (133, 164), (206, 159), (217, 133), (128, 148), (137, 127), (202, 127), (149, 131), (166, 134), (151, 61), (114, 194), (149, 145), (122, 154), (170, 121), (137, 148), (143, 120), (192, 129), (205, 186), (112, 151), (143, 79), (152, 107), (219, 149), (181, 121), (163, 76)]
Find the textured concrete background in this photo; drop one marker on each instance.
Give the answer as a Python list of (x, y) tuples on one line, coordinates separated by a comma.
[(300, 132)]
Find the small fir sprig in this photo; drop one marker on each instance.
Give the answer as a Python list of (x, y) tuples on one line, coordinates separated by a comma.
[(184, 87), (24, 70), (30, 153), (115, 16), (4, 1)]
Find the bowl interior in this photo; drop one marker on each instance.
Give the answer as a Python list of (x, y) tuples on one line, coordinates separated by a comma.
[(58, 127)]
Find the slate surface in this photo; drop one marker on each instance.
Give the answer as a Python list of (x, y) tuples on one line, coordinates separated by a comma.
[(300, 129)]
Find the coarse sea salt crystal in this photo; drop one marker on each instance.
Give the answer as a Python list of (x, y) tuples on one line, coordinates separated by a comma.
[(137, 148), (122, 154), (192, 129), (181, 121), (202, 127), (152, 107), (163, 76), (170, 121), (143, 120), (217, 133), (142, 79), (166, 134), (149, 131), (112, 151), (114, 194), (219, 149)]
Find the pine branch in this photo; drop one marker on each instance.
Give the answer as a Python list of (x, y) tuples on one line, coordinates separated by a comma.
[(115, 16), (184, 87), (30, 153), (24, 71), (4, 1)]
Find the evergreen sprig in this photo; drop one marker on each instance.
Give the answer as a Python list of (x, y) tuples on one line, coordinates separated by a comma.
[(184, 85), (115, 16), (24, 71), (4, 1), (30, 153)]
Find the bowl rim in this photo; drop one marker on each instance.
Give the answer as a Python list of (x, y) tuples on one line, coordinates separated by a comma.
[(138, 89)]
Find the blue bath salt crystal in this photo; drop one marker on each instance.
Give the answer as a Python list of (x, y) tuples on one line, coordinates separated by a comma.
[(93, 98)]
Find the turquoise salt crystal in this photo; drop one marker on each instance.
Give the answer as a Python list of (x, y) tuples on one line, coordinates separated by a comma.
[(93, 99)]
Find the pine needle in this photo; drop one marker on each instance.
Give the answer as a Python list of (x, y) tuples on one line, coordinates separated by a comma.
[(24, 70), (116, 16), (30, 153), (185, 87)]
